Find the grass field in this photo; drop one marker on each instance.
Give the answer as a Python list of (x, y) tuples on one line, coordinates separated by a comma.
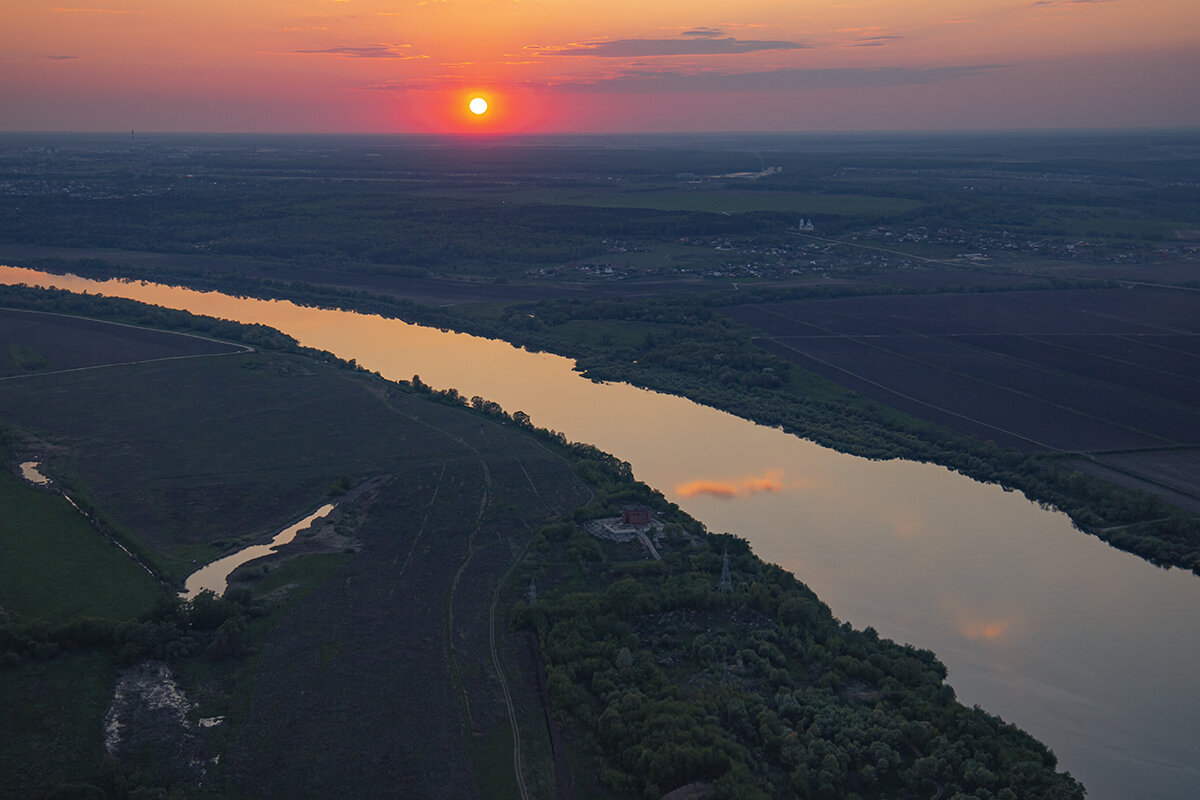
[(55, 566), (1104, 222), (53, 712)]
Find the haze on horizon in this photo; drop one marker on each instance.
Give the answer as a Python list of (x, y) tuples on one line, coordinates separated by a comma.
[(554, 66)]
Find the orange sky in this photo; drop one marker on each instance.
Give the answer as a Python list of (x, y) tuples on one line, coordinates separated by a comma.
[(621, 65)]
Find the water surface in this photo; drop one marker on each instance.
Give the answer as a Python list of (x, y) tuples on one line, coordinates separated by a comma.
[(31, 471), (215, 576)]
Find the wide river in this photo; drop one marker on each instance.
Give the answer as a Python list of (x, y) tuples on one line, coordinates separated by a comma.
[(1090, 649)]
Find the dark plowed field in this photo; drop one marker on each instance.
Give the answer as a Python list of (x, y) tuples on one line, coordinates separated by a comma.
[(1171, 474), (1070, 370), (40, 342)]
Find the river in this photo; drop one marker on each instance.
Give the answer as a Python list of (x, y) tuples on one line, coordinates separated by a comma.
[(1090, 649)]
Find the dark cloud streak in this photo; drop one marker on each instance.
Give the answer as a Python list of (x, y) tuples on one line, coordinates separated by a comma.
[(648, 81), (641, 48), (781, 80), (365, 51), (707, 33)]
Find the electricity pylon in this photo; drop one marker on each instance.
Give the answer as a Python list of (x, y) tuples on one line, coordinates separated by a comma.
[(726, 584)]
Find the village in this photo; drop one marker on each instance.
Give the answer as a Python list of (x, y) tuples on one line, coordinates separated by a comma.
[(803, 251)]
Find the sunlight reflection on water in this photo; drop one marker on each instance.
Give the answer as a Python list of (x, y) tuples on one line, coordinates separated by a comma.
[(30, 471), (214, 576)]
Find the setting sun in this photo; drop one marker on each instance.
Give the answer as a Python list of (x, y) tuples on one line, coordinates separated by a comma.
[(478, 106)]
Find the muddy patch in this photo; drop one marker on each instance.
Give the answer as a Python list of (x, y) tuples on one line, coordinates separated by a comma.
[(335, 533), (146, 727), (32, 454)]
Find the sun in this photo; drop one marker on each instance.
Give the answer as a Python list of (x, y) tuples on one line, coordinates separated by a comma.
[(478, 106)]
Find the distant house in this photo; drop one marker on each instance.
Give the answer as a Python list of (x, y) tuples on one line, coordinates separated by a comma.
[(636, 514)]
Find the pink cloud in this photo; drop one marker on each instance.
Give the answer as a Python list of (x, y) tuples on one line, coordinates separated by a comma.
[(770, 481)]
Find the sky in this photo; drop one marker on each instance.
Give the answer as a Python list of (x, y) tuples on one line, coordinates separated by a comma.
[(585, 66)]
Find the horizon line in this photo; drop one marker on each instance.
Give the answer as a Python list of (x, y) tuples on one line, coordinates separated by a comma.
[(482, 135)]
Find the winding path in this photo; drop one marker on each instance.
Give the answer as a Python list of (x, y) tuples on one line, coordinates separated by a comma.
[(512, 713)]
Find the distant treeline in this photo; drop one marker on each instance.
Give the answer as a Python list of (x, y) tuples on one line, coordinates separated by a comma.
[(354, 227)]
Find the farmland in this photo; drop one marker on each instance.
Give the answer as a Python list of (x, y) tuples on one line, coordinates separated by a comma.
[(40, 342), (166, 455), (1081, 371)]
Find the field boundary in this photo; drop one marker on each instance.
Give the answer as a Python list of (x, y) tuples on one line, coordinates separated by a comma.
[(243, 348)]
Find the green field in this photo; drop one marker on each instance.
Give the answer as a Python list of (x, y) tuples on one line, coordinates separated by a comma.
[(53, 711), (55, 566), (1105, 222)]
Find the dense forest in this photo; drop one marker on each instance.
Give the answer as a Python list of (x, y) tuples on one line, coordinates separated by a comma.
[(754, 691)]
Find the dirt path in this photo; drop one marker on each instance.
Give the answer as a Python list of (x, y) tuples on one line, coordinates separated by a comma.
[(512, 714)]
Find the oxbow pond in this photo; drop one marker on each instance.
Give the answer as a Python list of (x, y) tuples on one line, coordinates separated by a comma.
[(214, 577), (1090, 649)]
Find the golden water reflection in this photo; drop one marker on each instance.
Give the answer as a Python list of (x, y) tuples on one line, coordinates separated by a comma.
[(771, 480), (1089, 648), (984, 629)]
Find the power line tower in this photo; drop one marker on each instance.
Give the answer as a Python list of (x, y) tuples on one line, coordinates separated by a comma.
[(726, 584)]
